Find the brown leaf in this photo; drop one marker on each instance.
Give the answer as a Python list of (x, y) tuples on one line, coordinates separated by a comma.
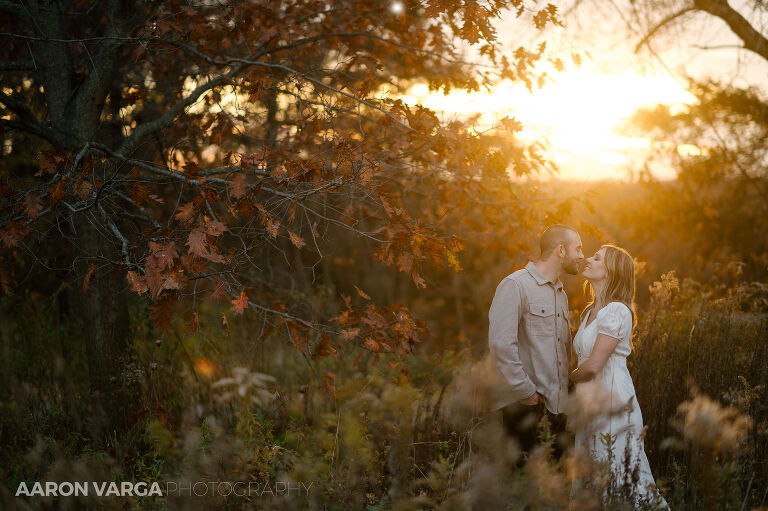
[(214, 227), (58, 191), (372, 345), (32, 205), (194, 324), (89, 273), (186, 212), (13, 233), (225, 323), (240, 303), (163, 255), (48, 164), (84, 189), (296, 240), (272, 227), (161, 313), (405, 262), (349, 333), (292, 211), (238, 187), (197, 244), (418, 280), (360, 292), (138, 283)]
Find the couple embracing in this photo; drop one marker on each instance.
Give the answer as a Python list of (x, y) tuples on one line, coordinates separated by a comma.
[(530, 345)]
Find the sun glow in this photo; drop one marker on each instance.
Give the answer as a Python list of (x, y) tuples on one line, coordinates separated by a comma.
[(577, 113)]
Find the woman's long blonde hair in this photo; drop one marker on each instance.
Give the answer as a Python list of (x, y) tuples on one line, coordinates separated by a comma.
[(620, 281)]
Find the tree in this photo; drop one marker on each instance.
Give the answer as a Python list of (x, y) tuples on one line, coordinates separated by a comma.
[(715, 210), (188, 151)]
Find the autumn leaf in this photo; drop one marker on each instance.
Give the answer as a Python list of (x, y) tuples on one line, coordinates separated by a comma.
[(185, 212), (48, 164), (418, 280), (272, 227), (349, 333), (84, 189), (512, 124), (372, 345), (453, 261), (292, 211), (405, 262), (225, 323), (161, 313), (58, 191), (196, 243), (32, 205), (361, 293), (13, 233), (137, 282), (89, 273), (194, 324), (297, 241), (163, 255), (238, 187), (214, 227), (240, 303)]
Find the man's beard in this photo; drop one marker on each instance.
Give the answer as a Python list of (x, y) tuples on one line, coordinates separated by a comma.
[(571, 266)]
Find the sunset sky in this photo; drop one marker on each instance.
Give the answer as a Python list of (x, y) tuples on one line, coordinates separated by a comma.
[(579, 110)]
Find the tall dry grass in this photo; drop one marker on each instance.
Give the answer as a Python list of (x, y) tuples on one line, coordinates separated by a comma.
[(369, 436)]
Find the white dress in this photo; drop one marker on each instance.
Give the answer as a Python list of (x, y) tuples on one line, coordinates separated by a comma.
[(609, 407)]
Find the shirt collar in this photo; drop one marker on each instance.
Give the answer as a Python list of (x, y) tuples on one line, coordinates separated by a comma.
[(541, 279)]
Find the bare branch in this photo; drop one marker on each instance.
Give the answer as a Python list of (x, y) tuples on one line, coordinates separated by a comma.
[(669, 19), (753, 39), (118, 234)]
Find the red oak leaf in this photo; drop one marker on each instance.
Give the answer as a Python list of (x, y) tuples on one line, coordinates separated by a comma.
[(240, 303)]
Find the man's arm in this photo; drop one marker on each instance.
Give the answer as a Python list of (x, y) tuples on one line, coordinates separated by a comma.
[(503, 321)]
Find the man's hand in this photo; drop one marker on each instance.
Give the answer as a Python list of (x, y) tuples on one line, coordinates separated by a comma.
[(531, 400)]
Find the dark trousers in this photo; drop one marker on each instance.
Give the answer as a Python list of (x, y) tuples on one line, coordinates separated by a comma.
[(522, 422)]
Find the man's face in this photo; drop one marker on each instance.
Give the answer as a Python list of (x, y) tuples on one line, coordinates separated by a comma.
[(573, 254)]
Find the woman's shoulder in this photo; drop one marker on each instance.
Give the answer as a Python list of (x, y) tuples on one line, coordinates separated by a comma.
[(618, 308)]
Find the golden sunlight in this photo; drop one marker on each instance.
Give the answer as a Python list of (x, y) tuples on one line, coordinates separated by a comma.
[(577, 113)]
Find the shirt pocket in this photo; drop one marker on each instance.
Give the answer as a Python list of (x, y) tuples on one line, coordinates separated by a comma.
[(541, 319)]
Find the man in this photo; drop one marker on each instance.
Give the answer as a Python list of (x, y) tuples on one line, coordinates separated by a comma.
[(529, 339)]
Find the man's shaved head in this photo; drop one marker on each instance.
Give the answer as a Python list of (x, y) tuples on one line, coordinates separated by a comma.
[(553, 237)]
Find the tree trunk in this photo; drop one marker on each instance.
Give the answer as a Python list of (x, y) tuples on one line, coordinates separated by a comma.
[(106, 329)]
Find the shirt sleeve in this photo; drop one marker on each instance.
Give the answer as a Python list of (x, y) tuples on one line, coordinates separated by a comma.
[(612, 322), (503, 321)]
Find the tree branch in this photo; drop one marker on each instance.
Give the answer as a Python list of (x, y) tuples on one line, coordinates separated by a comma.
[(753, 40), (270, 65), (672, 17), (130, 144)]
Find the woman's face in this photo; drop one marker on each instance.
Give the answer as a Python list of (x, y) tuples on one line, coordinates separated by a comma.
[(595, 269)]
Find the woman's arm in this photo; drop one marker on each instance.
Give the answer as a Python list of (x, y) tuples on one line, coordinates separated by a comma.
[(604, 346)]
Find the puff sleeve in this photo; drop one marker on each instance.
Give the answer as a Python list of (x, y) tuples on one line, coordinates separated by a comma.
[(615, 321)]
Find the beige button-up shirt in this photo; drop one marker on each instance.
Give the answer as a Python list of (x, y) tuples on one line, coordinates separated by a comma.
[(529, 339)]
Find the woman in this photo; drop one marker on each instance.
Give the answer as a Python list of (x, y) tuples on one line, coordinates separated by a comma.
[(613, 434)]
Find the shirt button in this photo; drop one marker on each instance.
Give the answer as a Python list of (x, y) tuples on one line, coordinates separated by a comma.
[(542, 310)]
